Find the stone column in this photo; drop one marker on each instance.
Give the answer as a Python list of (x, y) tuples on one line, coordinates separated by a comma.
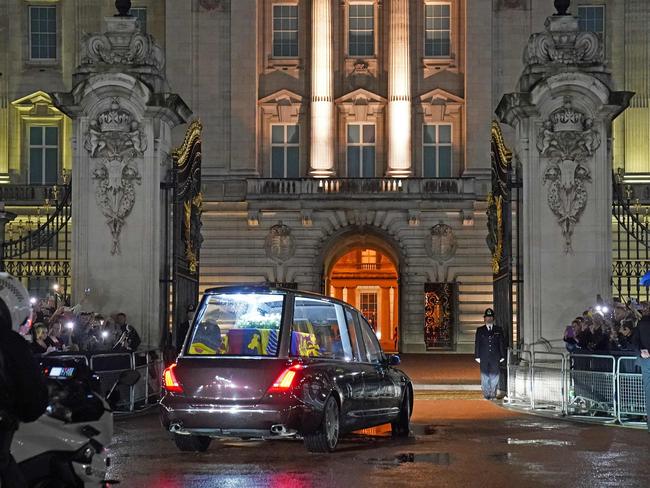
[(322, 100), (123, 113), (563, 116), (399, 91)]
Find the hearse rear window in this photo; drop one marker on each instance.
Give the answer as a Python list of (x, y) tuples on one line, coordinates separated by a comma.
[(244, 324)]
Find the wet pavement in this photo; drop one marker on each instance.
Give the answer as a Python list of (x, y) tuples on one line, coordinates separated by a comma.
[(457, 442)]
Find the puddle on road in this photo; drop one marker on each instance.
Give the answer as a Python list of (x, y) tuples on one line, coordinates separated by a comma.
[(537, 442), (438, 458), (501, 457)]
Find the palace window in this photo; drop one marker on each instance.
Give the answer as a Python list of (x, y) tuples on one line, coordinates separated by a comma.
[(368, 307), (361, 150), (436, 150), (42, 32), (140, 13), (437, 30), (592, 18), (285, 31), (285, 151), (43, 155), (361, 33)]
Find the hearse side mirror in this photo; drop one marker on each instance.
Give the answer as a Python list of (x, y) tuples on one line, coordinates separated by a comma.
[(394, 360)]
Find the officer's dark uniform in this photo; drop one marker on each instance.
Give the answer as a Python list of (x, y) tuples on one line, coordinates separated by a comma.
[(23, 397), (490, 348), (183, 329), (641, 340)]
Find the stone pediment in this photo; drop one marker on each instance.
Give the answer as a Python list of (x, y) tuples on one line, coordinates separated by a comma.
[(361, 104), (438, 104), (283, 104), (38, 103)]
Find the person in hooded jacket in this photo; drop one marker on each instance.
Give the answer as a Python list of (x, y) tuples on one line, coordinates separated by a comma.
[(23, 394)]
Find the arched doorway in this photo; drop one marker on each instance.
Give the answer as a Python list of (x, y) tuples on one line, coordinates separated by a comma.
[(366, 277)]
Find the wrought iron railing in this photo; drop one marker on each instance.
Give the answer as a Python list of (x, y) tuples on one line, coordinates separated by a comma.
[(286, 187), (631, 243), (39, 238), (41, 248)]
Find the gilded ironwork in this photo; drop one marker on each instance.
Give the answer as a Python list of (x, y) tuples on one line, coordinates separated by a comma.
[(499, 238), (38, 246), (495, 230), (187, 166), (439, 315)]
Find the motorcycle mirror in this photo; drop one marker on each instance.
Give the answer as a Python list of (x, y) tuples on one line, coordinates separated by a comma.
[(129, 378)]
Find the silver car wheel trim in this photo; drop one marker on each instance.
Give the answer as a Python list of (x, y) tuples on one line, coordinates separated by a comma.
[(331, 423)]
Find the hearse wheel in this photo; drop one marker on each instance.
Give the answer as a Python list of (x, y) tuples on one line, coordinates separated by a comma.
[(327, 435), (192, 443), (401, 425)]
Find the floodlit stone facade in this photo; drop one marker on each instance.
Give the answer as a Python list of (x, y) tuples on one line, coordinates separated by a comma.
[(373, 136)]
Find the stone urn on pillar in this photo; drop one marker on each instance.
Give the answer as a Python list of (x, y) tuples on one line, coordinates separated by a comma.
[(123, 113), (562, 114)]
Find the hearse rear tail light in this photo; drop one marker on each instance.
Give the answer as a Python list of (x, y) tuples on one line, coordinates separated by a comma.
[(286, 380), (170, 382)]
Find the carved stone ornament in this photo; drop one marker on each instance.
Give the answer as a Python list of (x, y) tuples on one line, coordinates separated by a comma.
[(568, 140), (129, 47), (564, 43), (441, 243), (115, 139), (280, 244)]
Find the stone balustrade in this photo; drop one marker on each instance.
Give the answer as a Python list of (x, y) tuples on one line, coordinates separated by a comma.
[(299, 187)]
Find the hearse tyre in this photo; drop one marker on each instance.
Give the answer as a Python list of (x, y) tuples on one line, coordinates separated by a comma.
[(401, 426), (326, 437)]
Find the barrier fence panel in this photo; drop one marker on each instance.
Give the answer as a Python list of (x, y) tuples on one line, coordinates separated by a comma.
[(548, 381), (592, 386), (603, 387), (519, 377), (108, 367), (631, 400)]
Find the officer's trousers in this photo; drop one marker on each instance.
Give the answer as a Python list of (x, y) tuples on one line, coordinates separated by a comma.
[(489, 378)]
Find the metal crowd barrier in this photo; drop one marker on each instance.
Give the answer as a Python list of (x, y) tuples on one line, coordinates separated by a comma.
[(599, 387), (519, 384), (630, 385), (548, 383), (109, 366)]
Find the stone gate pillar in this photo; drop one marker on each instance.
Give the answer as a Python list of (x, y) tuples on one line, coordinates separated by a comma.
[(562, 115), (123, 114)]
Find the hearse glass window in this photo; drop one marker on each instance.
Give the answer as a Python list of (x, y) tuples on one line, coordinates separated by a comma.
[(319, 330), (238, 324)]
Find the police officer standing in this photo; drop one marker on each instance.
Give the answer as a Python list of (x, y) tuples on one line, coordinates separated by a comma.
[(489, 352), (641, 341)]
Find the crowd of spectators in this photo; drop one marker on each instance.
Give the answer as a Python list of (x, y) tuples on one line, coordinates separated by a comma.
[(604, 329), (63, 328)]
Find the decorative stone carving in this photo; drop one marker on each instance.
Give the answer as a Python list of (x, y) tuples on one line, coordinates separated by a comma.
[(126, 45), (441, 243), (279, 243), (563, 43), (115, 139), (568, 140), (218, 5)]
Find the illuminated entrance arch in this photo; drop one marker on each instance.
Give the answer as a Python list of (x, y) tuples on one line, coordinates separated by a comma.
[(362, 268)]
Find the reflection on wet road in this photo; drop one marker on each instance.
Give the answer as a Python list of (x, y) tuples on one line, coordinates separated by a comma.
[(456, 443)]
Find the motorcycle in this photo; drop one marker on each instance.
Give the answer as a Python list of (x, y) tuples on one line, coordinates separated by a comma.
[(67, 446)]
